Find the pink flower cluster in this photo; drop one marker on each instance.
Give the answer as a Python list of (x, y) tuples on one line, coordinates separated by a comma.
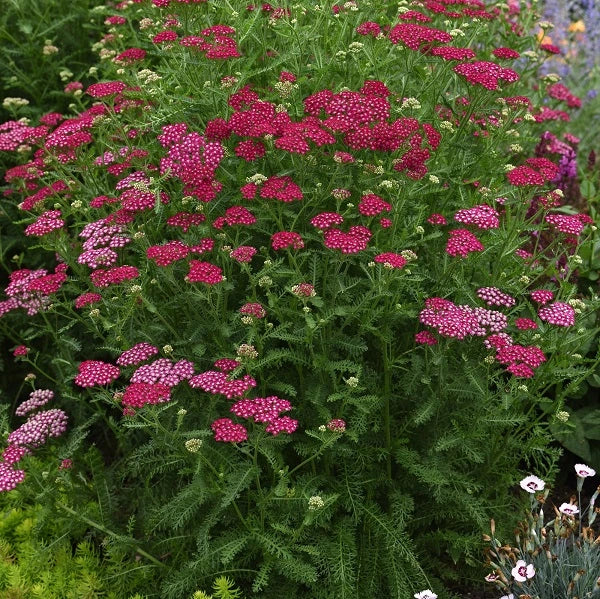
[(138, 353), (30, 289), (218, 383), (372, 205), (204, 272), (228, 431), (462, 242), (38, 428), (394, 260), (37, 399), (567, 223), (351, 242), (94, 372), (492, 296), (521, 361), (542, 296), (217, 42), (535, 171), (113, 276), (164, 371), (486, 74), (459, 322), (46, 223), (558, 313), (138, 395), (243, 253), (253, 309), (267, 409), (286, 239), (482, 216)]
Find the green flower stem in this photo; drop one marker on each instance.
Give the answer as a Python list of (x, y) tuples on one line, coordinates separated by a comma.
[(110, 533)]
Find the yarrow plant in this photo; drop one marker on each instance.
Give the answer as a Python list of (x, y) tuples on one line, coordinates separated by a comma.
[(555, 555), (291, 287)]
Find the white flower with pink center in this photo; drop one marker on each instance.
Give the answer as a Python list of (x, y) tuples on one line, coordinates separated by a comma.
[(523, 571), (532, 484), (584, 471), (568, 509)]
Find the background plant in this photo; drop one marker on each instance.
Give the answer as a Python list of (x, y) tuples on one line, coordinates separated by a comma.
[(302, 238)]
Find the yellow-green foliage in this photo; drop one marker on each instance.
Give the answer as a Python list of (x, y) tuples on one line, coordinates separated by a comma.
[(223, 588), (30, 569)]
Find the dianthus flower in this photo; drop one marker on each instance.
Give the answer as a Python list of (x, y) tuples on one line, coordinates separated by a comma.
[(558, 313), (372, 205), (37, 399), (461, 242), (204, 272), (394, 260), (486, 74), (352, 242), (286, 239), (138, 353), (95, 372), (139, 394), (243, 253), (253, 309), (492, 296), (229, 432), (482, 216)]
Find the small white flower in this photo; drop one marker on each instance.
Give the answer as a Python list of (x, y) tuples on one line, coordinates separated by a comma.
[(531, 484), (522, 571), (584, 471), (426, 594), (511, 596), (568, 509)]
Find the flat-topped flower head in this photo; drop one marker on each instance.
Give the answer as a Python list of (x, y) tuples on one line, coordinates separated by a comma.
[(532, 484), (584, 471), (523, 571), (426, 594)]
